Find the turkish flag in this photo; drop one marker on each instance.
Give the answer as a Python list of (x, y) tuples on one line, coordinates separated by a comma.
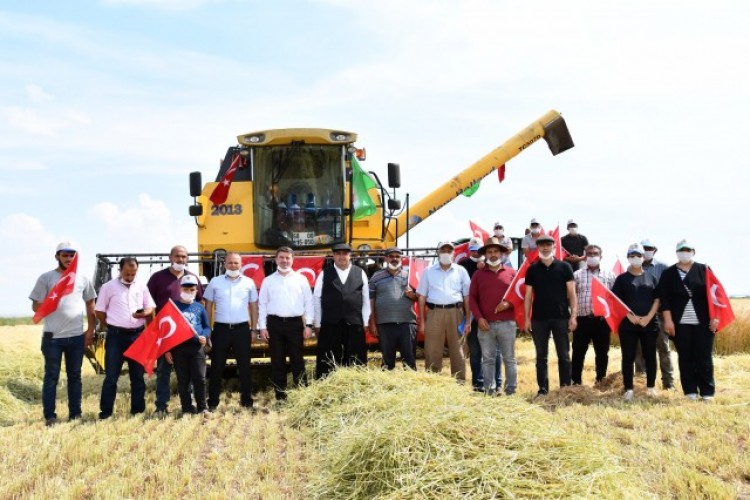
[(252, 267), (461, 252), (310, 267), (516, 292), (607, 304), (501, 173), (560, 252), (169, 329), (478, 232), (221, 191), (63, 287), (718, 302), (416, 268), (617, 269)]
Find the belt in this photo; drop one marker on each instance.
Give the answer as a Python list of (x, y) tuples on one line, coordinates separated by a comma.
[(285, 319), (445, 306), (119, 329), (232, 326)]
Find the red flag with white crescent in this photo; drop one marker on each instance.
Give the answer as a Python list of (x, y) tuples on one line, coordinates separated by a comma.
[(719, 306), (560, 252), (516, 292), (461, 252), (169, 329), (416, 269), (310, 267), (607, 304), (478, 232), (221, 191), (63, 287), (252, 267), (618, 268)]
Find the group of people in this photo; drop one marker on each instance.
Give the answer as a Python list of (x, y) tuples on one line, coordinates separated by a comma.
[(455, 302)]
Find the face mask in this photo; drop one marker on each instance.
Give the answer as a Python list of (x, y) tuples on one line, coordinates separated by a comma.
[(593, 261), (573, 231), (685, 257), (394, 267), (635, 261), (446, 258), (648, 254), (188, 297), (474, 259), (536, 230), (494, 263), (233, 273), (178, 267), (125, 282), (499, 233), (548, 256)]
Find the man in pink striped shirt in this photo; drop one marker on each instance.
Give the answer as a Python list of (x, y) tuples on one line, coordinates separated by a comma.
[(123, 305)]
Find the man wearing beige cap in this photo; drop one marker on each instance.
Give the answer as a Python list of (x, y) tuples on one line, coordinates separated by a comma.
[(528, 243), (444, 305)]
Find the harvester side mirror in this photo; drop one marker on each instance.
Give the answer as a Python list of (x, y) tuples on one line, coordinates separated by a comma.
[(196, 184), (196, 210), (557, 135), (394, 205), (394, 175)]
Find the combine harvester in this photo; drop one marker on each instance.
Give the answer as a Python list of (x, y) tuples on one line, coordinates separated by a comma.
[(294, 187)]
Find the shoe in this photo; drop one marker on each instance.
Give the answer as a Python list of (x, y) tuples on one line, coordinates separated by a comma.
[(161, 414), (651, 392), (50, 422), (73, 418), (692, 396), (104, 416), (206, 414), (478, 388), (490, 393), (211, 409), (540, 395), (628, 396), (707, 398), (668, 387)]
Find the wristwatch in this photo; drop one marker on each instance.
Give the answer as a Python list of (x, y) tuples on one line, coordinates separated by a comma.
[(309, 325)]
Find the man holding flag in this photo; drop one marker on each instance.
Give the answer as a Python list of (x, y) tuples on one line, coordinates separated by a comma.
[(58, 297)]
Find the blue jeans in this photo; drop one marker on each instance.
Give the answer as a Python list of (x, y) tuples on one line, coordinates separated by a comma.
[(500, 338), (117, 343), (475, 361), (53, 351), (163, 392)]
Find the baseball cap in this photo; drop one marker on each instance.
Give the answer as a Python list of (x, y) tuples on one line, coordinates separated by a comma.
[(498, 225), (475, 244), (648, 243), (338, 247), (445, 243), (65, 246), (189, 280), (533, 221), (684, 245), (544, 239), (635, 248), (391, 250), (572, 222)]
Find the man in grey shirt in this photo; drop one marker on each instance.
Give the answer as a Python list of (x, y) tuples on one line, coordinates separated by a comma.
[(63, 333), (393, 318)]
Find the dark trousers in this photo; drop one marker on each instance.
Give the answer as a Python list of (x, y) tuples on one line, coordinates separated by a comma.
[(339, 344), (629, 340), (190, 368), (237, 340), (117, 343), (594, 330), (475, 360), (663, 354), (286, 338), (401, 337), (71, 348), (540, 332), (163, 392), (695, 345)]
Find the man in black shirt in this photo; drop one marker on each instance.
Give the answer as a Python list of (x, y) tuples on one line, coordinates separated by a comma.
[(551, 307), (575, 244)]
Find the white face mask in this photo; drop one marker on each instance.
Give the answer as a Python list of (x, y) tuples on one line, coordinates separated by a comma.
[(474, 259), (494, 263), (233, 273), (547, 256), (648, 254), (446, 258), (685, 257), (635, 261), (188, 297), (536, 230), (593, 261), (178, 267), (394, 267), (498, 233), (573, 231)]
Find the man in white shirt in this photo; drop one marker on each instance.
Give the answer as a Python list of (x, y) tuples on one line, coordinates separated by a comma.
[(285, 319), (232, 307), (342, 308)]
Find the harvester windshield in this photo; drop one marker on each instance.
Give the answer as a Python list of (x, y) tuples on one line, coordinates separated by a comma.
[(298, 195)]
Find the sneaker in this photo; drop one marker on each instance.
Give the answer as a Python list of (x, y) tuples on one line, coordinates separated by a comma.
[(490, 392), (540, 395), (651, 392), (104, 416), (707, 398), (628, 396), (73, 418), (161, 414), (692, 396), (50, 422), (669, 387)]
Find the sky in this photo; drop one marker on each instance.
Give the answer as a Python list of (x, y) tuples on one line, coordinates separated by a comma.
[(106, 106)]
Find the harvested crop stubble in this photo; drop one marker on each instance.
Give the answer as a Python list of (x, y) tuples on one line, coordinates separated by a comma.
[(406, 434)]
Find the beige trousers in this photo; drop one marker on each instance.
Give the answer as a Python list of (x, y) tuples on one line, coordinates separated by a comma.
[(441, 328)]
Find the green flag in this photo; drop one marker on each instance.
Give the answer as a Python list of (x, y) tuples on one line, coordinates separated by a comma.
[(470, 190), (361, 183)]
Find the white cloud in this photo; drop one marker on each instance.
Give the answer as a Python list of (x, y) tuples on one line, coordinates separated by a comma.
[(36, 94), (47, 122)]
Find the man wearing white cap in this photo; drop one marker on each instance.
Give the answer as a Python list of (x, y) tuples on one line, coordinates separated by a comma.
[(575, 245), (444, 301), (528, 243), (499, 232), (63, 333)]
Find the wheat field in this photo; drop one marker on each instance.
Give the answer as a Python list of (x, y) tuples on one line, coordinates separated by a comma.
[(658, 448)]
